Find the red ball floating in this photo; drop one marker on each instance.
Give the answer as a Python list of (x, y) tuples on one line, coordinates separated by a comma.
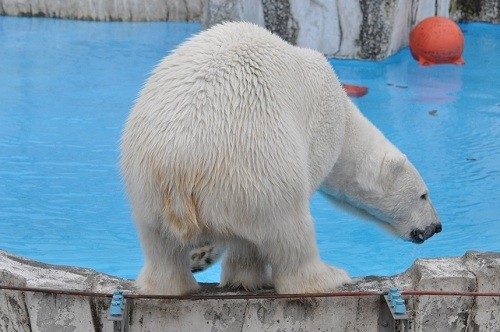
[(355, 90), (437, 40)]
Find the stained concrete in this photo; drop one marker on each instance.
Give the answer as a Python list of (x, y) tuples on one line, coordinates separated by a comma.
[(45, 311)]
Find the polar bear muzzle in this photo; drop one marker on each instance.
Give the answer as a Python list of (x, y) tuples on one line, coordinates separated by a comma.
[(420, 235)]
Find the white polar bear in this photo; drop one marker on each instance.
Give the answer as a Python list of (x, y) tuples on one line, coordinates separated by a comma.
[(228, 140)]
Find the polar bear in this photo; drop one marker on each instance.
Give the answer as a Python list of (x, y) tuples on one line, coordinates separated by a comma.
[(229, 138)]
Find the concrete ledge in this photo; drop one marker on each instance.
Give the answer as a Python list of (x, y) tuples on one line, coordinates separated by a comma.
[(44, 311)]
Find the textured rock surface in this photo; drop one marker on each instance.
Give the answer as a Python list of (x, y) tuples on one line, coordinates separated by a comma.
[(18, 271), (45, 311), (365, 29), (486, 269), (106, 10), (475, 10)]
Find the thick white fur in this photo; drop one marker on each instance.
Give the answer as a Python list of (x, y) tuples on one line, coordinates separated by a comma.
[(228, 140), (372, 174)]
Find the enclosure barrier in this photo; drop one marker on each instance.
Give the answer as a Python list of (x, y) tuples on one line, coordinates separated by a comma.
[(245, 296), (390, 318), (443, 294)]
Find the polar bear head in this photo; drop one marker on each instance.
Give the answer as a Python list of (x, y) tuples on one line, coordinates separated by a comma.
[(390, 190)]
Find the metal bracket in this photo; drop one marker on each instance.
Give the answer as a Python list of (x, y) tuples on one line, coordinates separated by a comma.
[(393, 316), (118, 312)]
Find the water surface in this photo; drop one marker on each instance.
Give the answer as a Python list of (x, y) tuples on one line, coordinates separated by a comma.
[(65, 91)]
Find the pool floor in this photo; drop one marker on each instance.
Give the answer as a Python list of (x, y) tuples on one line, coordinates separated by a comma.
[(66, 88)]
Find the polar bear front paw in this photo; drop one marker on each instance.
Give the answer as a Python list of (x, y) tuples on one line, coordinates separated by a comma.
[(204, 256), (316, 277)]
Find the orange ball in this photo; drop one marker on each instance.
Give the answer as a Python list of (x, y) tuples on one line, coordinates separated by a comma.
[(437, 40)]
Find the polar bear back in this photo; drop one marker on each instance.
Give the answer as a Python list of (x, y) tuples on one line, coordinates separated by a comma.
[(237, 122)]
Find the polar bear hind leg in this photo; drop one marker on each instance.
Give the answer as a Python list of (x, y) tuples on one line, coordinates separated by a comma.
[(167, 266)]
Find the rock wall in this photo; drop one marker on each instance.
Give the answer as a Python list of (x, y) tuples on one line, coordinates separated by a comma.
[(364, 29), (106, 10), (55, 311), (475, 10)]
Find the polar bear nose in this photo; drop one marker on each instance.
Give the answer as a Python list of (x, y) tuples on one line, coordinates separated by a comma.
[(420, 235)]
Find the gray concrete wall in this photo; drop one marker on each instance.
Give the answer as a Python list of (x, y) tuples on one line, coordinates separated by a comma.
[(41, 311)]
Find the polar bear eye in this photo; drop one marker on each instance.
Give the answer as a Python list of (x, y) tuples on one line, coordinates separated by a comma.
[(424, 196)]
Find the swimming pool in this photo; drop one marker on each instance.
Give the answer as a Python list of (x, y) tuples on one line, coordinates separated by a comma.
[(65, 91)]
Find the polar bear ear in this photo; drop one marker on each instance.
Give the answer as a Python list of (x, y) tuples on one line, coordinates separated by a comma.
[(392, 165)]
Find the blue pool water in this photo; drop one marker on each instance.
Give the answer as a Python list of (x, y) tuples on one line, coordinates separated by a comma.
[(65, 91)]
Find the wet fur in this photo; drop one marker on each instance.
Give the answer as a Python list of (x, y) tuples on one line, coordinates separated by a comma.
[(231, 135)]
